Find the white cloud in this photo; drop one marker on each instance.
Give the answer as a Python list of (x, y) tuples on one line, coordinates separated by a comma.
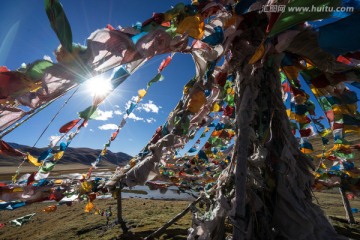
[(46, 57), (91, 130), (104, 115), (109, 126), (135, 118), (133, 99), (150, 120), (54, 140), (149, 107), (55, 137), (117, 106), (127, 105), (118, 112)]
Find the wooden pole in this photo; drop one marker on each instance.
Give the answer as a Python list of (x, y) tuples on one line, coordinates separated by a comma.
[(162, 229), (119, 210), (349, 215)]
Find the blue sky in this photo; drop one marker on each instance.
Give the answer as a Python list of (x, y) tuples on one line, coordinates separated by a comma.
[(28, 37)]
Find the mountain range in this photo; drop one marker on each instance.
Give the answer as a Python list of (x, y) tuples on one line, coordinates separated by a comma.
[(83, 156)]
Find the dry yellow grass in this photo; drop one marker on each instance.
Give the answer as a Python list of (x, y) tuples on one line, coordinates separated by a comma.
[(143, 216)]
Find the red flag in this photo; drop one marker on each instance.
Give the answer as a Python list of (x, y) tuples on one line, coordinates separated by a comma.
[(338, 125), (8, 150), (330, 115), (305, 132), (4, 69), (68, 126), (331, 158), (343, 60), (31, 179), (164, 63), (113, 135), (228, 111), (220, 78), (286, 87), (111, 28)]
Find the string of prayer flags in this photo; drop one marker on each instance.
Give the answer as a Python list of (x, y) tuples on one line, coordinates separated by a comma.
[(129, 110)]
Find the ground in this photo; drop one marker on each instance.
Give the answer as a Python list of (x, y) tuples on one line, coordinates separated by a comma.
[(143, 216)]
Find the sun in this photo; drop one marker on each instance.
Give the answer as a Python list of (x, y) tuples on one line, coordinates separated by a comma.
[(98, 86)]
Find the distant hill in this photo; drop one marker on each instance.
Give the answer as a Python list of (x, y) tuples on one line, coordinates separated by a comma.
[(72, 155)]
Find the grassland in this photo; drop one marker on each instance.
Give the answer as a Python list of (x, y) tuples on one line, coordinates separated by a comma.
[(143, 216)]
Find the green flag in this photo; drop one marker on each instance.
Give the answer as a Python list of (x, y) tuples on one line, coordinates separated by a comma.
[(89, 113), (157, 78), (59, 23), (22, 220), (299, 11), (37, 69)]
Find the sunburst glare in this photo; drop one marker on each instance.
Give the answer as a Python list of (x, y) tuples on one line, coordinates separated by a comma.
[(98, 86)]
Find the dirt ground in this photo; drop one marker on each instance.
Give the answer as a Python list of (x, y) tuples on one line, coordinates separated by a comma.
[(143, 216)]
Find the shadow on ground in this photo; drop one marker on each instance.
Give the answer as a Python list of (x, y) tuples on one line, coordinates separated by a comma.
[(344, 228), (174, 234)]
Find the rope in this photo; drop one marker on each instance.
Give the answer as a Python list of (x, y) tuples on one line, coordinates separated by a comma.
[(24, 160), (57, 113)]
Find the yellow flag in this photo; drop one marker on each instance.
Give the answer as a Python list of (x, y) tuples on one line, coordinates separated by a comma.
[(301, 118), (216, 133), (58, 156), (142, 93), (352, 174), (18, 189), (86, 186), (325, 133), (33, 160), (132, 162), (317, 175), (197, 100), (194, 2), (51, 208), (58, 181), (192, 25), (89, 206), (216, 107), (288, 112), (306, 151), (351, 129), (103, 152), (259, 53), (230, 91), (291, 72), (315, 91)]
